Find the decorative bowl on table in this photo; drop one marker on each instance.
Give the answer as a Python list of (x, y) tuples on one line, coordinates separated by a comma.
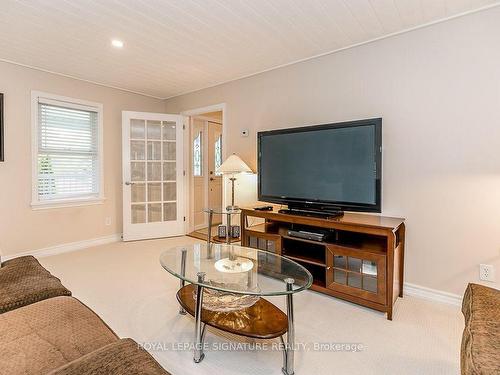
[(221, 301)]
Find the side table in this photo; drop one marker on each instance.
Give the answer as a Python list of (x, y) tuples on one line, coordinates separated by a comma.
[(220, 211)]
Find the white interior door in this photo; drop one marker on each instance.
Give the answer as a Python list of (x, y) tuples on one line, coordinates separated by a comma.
[(153, 181)]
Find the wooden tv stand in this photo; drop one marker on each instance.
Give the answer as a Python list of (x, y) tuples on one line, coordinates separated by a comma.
[(361, 260)]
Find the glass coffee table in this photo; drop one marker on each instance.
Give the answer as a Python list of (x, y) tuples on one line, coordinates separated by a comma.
[(225, 287)]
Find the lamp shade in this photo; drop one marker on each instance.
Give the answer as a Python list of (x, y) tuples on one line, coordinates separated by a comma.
[(233, 165)]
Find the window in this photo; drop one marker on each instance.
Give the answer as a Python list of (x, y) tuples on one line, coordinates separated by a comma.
[(218, 154), (67, 151), (197, 161)]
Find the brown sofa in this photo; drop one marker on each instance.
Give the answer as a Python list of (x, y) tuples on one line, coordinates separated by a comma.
[(24, 281), (480, 353), (45, 331)]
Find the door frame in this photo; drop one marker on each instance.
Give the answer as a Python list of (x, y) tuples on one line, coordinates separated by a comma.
[(187, 157)]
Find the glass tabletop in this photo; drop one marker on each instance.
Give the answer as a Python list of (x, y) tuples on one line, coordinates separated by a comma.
[(235, 269), (222, 210)]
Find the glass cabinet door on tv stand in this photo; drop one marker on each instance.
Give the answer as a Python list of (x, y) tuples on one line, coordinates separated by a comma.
[(356, 272)]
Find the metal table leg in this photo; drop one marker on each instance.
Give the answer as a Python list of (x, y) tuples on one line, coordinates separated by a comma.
[(290, 336), (198, 329), (209, 235), (183, 273), (229, 234)]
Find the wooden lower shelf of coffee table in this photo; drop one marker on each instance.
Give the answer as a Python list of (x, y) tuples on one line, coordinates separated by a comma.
[(263, 320)]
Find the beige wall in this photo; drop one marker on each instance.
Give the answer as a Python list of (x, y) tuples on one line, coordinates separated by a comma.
[(21, 228), (438, 91)]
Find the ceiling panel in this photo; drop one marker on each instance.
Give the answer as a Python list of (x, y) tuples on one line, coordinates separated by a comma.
[(177, 46)]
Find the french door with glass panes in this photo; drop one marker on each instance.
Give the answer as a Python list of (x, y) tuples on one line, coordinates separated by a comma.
[(153, 181)]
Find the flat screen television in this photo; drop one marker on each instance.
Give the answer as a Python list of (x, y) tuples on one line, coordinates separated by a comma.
[(331, 167)]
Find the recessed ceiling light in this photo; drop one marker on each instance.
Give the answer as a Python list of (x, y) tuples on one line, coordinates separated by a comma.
[(117, 43)]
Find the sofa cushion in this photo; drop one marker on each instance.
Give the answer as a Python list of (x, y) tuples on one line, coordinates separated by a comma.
[(46, 335), (23, 281), (480, 352), (123, 357)]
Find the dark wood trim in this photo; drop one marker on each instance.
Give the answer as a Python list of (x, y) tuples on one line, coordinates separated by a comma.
[(390, 273), (402, 230)]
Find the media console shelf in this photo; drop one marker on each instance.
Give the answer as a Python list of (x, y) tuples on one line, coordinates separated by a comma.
[(360, 261)]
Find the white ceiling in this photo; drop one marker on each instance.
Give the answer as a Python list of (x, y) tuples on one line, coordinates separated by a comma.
[(178, 46)]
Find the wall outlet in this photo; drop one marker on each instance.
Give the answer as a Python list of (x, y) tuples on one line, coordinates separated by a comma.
[(107, 221), (486, 272)]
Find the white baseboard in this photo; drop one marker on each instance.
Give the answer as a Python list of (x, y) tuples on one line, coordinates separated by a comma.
[(432, 294), (67, 247)]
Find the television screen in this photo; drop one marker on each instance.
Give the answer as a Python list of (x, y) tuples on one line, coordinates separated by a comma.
[(333, 164)]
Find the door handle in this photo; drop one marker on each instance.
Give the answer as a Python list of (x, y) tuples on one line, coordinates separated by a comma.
[(129, 183), (211, 178)]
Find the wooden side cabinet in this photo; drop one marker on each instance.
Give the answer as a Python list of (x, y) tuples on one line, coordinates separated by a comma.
[(360, 261)]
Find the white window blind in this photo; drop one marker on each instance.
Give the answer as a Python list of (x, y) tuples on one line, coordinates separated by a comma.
[(68, 151)]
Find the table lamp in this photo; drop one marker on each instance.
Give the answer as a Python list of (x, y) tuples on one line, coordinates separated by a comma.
[(232, 166)]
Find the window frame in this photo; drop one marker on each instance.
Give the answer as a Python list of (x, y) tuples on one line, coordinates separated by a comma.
[(73, 103), (218, 140), (200, 135)]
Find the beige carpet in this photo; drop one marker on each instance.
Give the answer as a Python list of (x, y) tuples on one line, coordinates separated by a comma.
[(125, 284)]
